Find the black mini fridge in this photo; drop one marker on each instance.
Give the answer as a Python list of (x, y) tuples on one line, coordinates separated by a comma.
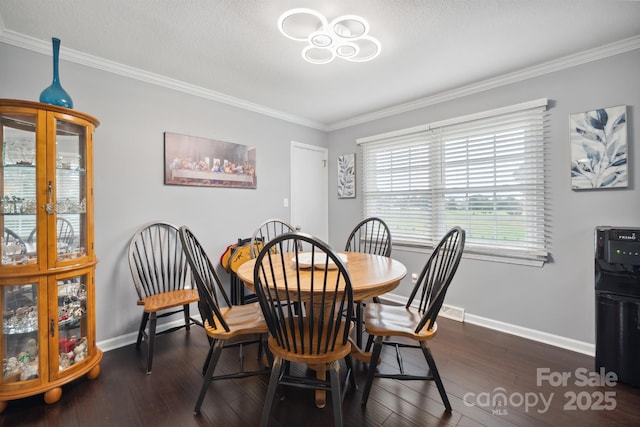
[(617, 286)]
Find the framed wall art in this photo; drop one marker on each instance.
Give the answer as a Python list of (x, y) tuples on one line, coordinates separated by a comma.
[(347, 176), (599, 149), (190, 160)]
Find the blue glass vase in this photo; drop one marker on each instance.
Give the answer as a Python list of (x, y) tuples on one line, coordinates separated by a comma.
[(55, 94)]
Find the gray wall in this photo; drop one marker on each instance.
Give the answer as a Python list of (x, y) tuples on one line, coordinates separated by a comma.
[(129, 162), (557, 299)]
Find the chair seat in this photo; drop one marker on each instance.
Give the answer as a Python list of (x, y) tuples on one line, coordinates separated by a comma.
[(241, 319), (163, 301), (397, 321), (300, 341)]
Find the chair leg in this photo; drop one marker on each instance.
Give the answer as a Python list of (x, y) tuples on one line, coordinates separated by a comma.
[(377, 349), (435, 374), (271, 391), (153, 318), (264, 344), (369, 343), (351, 374), (143, 326), (205, 366), (359, 324), (215, 352), (234, 290), (187, 316), (336, 395)]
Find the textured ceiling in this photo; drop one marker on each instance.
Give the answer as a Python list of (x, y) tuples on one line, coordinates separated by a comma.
[(232, 47)]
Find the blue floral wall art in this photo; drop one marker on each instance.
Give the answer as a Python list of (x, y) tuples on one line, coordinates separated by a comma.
[(347, 176), (599, 149)]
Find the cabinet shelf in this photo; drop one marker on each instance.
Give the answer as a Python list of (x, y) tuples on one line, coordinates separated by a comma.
[(71, 322), (32, 166), (19, 165), (12, 331)]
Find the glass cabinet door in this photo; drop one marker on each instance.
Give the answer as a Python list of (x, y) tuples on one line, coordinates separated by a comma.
[(73, 327), (19, 349), (18, 186), (70, 204)]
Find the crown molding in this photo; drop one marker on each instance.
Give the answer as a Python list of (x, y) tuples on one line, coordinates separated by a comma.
[(70, 55), (570, 61), (36, 45)]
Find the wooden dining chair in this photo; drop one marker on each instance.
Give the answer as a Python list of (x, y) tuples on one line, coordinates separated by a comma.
[(303, 296), (372, 236), (162, 280), (416, 322), (222, 323), (263, 233), (267, 231), (64, 232)]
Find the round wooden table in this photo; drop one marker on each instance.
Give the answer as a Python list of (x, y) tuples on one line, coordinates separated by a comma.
[(371, 276)]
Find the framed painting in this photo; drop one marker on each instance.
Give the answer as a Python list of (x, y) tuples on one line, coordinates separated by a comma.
[(347, 176), (599, 149), (190, 160)]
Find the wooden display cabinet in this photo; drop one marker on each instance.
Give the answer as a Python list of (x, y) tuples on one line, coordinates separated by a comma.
[(47, 268)]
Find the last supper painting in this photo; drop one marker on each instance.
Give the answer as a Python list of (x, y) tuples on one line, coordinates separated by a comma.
[(196, 161)]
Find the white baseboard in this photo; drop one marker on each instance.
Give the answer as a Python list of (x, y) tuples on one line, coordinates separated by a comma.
[(124, 340), (532, 334), (459, 314), (451, 312)]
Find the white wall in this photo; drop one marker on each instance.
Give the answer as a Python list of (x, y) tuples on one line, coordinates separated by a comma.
[(129, 162), (557, 299)]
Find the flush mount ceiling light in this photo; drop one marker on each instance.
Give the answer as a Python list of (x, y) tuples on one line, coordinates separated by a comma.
[(345, 37)]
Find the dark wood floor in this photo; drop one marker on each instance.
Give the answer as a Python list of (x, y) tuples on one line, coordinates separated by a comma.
[(476, 364)]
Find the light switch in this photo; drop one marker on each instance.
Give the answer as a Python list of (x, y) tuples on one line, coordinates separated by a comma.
[(285, 202)]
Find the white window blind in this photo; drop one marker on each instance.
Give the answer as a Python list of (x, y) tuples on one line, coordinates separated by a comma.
[(485, 173)]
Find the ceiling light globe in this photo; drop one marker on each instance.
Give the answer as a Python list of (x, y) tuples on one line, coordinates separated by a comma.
[(318, 55), (320, 39), (368, 49), (350, 26), (347, 50), (297, 24)]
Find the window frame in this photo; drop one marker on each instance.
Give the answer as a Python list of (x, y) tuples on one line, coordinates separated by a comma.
[(525, 227)]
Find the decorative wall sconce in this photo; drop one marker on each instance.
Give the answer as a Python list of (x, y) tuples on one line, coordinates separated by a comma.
[(345, 37)]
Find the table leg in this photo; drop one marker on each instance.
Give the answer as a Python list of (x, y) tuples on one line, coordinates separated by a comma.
[(321, 374)]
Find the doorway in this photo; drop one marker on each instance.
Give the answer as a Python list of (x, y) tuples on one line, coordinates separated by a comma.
[(309, 189)]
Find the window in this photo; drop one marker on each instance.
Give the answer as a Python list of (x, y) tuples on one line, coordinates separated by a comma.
[(483, 172)]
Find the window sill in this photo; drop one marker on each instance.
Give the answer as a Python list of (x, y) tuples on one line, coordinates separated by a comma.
[(470, 255)]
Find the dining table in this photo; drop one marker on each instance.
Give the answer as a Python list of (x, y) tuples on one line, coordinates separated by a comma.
[(371, 276)]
